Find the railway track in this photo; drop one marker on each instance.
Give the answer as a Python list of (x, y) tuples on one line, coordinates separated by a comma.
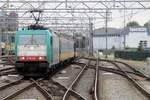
[(7, 60), (116, 71), (51, 89), (24, 86), (6, 71), (131, 69), (69, 90), (127, 74), (47, 91), (136, 83), (72, 87), (96, 82)]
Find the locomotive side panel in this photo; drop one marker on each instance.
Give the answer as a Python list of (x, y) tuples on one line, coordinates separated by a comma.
[(67, 49), (55, 51)]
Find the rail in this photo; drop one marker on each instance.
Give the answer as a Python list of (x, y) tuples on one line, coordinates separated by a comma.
[(69, 90)]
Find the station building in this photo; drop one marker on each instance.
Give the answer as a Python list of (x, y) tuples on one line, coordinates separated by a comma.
[(115, 38)]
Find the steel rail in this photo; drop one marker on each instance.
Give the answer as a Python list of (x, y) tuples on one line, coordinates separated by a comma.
[(11, 96), (7, 59), (116, 71), (31, 85), (43, 91), (7, 71), (4, 69), (96, 81), (7, 63), (68, 92), (113, 62), (65, 89), (127, 65), (10, 84), (4, 56), (139, 86), (111, 69)]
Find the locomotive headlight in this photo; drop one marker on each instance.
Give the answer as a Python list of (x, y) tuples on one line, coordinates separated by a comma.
[(41, 58), (31, 48), (22, 58)]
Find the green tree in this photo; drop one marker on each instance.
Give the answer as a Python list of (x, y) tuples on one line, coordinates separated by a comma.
[(147, 24), (133, 23)]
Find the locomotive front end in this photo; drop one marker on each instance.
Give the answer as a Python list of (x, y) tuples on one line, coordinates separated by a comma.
[(31, 53)]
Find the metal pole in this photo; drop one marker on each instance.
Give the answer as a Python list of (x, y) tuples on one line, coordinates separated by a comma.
[(106, 30), (66, 4), (0, 42), (91, 37), (124, 42)]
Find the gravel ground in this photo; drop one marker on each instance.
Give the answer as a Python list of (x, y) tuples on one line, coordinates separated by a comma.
[(139, 65), (8, 79), (83, 60), (146, 84), (32, 93), (72, 98), (85, 84), (66, 76), (104, 64), (12, 89), (107, 65), (5, 66), (4, 81), (115, 87), (124, 67)]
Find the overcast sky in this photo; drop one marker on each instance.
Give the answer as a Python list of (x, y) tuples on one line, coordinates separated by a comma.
[(117, 19)]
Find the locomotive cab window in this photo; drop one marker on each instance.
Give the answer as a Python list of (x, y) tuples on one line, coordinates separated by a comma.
[(32, 39)]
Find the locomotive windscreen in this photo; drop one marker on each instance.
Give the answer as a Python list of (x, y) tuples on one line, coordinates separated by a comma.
[(32, 39), (32, 45)]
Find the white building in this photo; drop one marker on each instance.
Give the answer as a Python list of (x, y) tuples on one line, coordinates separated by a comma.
[(115, 39), (136, 35)]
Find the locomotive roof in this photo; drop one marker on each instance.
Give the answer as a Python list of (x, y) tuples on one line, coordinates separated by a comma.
[(37, 27), (26, 31)]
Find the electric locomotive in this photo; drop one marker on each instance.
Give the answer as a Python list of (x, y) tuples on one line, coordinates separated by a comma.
[(37, 49)]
